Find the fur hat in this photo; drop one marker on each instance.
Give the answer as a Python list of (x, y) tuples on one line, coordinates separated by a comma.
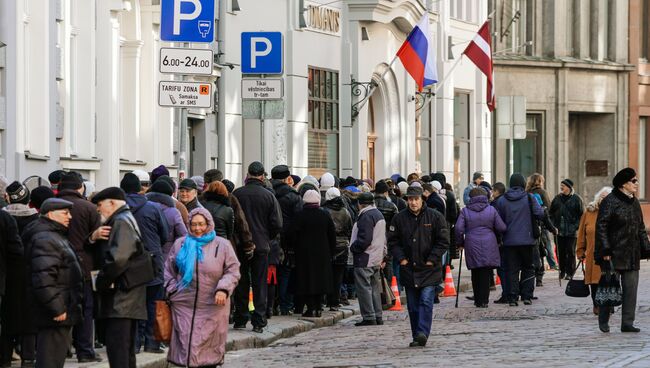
[(623, 177)]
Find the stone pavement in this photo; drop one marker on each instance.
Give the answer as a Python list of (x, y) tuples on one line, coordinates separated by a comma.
[(555, 331)]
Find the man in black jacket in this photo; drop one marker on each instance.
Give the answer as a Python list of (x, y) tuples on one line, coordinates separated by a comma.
[(11, 248), (120, 307), (85, 220), (417, 238), (56, 283), (621, 242), (264, 218), (566, 211), (290, 204)]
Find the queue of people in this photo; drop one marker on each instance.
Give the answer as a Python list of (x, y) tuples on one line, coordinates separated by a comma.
[(84, 269)]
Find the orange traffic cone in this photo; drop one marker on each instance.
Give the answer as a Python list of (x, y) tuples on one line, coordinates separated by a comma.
[(450, 289), (251, 306), (398, 301), (498, 281)]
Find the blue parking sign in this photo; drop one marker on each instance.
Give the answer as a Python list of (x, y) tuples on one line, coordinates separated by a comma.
[(261, 52), (187, 20)]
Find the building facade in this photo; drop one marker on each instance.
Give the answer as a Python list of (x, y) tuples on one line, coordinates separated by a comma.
[(570, 61), (79, 91)]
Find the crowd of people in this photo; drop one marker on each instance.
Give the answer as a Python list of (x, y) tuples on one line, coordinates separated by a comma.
[(83, 269)]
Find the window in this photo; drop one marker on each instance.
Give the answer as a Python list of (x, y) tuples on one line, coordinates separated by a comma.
[(461, 141), (527, 152), (515, 19), (642, 172), (644, 27), (323, 116)]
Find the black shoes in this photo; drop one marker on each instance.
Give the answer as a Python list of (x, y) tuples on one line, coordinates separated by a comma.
[(501, 300), (152, 351), (630, 329), (414, 344), (513, 304), (562, 275), (604, 327), (239, 326), (527, 302), (258, 329), (94, 359), (469, 297), (366, 322), (481, 305), (420, 339), (539, 283), (380, 321)]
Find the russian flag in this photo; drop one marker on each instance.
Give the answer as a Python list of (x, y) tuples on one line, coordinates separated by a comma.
[(418, 56)]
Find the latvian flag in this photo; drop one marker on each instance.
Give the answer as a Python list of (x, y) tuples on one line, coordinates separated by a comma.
[(479, 51), (417, 55)]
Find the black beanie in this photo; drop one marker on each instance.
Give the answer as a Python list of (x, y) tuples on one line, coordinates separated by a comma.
[(381, 187), (71, 180), (56, 176), (229, 185), (161, 186), (130, 183), (517, 180), (39, 195), (623, 177), (568, 183)]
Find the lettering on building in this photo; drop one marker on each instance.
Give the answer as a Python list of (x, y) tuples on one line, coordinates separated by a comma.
[(323, 19)]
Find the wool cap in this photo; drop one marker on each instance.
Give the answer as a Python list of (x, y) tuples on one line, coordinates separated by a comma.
[(381, 187), (403, 187), (280, 172), (327, 180), (158, 172), (40, 195), (130, 183), (168, 180), (366, 198), (18, 193), (311, 197), (161, 186), (296, 179), (256, 169), (623, 177), (56, 176), (55, 204), (436, 184), (229, 185), (569, 183), (109, 193), (477, 175), (517, 180), (332, 193)]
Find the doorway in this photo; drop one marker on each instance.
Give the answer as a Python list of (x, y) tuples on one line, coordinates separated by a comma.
[(372, 140)]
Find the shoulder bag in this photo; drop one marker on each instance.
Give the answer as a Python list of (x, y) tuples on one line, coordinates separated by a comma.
[(577, 288), (609, 292)]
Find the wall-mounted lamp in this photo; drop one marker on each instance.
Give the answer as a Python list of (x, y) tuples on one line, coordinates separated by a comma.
[(364, 34)]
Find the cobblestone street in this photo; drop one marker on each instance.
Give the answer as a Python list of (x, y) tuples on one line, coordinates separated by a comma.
[(555, 331)]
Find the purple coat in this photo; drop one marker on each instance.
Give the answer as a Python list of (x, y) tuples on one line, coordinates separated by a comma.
[(218, 271), (176, 227), (475, 231)]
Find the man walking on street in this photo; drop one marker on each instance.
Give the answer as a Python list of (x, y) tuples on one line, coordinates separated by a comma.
[(85, 220), (417, 238), (566, 211), (55, 282), (477, 179), (118, 241), (368, 247), (518, 210), (264, 218)]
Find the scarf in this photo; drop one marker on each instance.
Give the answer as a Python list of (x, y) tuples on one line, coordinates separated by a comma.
[(191, 251)]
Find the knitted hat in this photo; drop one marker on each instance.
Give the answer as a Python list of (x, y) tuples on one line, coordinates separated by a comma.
[(161, 186), (332, 193), (110, 193), (517, 180), (168, 180), (130, 183), (311, 197), (436, 184), (569, 183), (229, 185), (403, 187), (18, 193), (381, 187), (296, 179), (620, 179), (327, 180), (39, 195), (158, 172)]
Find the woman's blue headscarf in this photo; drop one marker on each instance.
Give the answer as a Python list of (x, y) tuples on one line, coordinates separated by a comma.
[(192, 249)]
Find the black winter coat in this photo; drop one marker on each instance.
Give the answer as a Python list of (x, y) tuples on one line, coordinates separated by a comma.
[(437, 203), (11, 247), (222, 214), (313, 236), (56, 281), (387, 209), (451, 210), (566, 213), (85, 220), (153, 229), (262, 212), (343, 228), (418, 239), (290, 204), (620, 232), (123, 243), (399, 202)]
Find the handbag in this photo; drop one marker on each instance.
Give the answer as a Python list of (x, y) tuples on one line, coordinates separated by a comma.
[(162, 327), (139, 272), (387, 296), (609, 292), (577, 288)]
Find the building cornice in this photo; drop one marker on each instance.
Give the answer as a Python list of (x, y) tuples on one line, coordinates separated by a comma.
[(563, 63), (385, 11)]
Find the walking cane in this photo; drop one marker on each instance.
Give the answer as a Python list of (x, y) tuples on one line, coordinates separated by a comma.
[(460, 268)]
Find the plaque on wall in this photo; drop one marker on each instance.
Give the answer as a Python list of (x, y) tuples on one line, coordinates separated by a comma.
[(597, 168)]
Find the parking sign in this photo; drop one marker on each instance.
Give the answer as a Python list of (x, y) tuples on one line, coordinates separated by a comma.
[(187, 20), (261, 52)]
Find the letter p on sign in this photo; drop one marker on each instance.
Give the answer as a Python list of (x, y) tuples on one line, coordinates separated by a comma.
[(261, 52)]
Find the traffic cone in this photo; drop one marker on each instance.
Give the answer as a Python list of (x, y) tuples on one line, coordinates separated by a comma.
[(398, 301), (450, 288), (498, 282), (251, 306)]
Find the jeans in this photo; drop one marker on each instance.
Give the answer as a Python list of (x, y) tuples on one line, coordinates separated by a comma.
[(368, 284), (286, 298), (419, 302), (550, 254), (521, 272), (481, 285), (83, 338), (53, 345), (254, 273), (120, 345), (629, 284), (566, 249), (144, 332)]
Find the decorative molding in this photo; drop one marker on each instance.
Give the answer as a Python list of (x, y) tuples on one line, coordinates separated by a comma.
[(280, 142), (362, 90)]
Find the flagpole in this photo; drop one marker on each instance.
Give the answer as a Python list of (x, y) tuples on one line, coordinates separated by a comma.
[(373, 85), (439, 85)]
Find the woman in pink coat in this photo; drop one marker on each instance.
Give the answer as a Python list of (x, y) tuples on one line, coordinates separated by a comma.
[(201, 273)]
